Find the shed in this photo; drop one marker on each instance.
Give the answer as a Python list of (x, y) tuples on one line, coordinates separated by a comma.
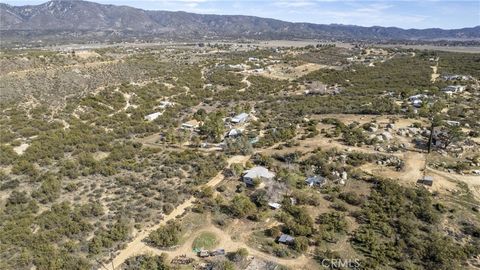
[(165, 104), (217, 252), (417, 103), (152, 116), (274, 205), (203, 253), (316, 180), (286, 239), (240, 118), (452, 123), (426, 180), (454, 88), (234, 132)]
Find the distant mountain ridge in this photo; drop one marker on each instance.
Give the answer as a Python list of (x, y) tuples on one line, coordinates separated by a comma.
[(89, 20)]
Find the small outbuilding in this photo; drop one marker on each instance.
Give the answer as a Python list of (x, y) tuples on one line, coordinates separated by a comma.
[(454, 88), (234, 133), (240, 118), (316, 180), (152, 116), (274, 205), (426, 180), (203, 253), (217, 252), (286, 239)]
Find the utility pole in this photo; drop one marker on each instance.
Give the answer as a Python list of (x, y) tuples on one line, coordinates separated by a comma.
[(111, 258), (430, 139), (103, 265)]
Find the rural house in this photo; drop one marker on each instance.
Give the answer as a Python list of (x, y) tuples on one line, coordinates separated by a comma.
[(257, 172)]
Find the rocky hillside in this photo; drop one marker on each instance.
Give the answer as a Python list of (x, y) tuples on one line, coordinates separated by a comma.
[(74, 19)]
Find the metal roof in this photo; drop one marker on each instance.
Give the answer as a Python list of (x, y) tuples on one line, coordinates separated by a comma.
[(284, 238), (240, 117), (258, 172)]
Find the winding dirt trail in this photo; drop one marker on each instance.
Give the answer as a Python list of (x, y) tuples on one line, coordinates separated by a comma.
[(226, 242), (136, 246), (435, 74), (473, 181), (246, 81)]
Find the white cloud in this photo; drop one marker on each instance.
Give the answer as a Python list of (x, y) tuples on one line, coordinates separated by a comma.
[(294, 4)]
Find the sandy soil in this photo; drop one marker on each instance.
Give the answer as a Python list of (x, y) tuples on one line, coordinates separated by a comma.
[(435, 75), (21, 148), (441, 177), (86, 54), (284, 71)]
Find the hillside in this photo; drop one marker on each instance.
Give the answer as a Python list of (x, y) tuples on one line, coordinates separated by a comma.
[(73, 20)]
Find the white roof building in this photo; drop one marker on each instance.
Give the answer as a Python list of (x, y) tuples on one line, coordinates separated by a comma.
[(152, 116), (240, 118), (452, 123), (416, 97), (417, 103), (164, 104), (192, 124), (234, 132), (454, 88), (316, 180), (257, 172), (274, 205)]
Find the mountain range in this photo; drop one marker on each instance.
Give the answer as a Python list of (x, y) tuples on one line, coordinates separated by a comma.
[(82, 20)]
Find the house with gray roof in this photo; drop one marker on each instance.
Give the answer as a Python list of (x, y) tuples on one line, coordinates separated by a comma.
[(257, 172)]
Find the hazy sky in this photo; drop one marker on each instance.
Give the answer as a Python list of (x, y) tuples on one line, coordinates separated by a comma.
[(402, 13)]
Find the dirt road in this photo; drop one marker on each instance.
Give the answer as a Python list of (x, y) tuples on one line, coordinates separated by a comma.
[(473, 181), (414, 165), (136, 246), (435, 74), (226, 242)]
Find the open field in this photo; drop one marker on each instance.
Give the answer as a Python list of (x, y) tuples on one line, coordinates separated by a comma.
[(461, 49)]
